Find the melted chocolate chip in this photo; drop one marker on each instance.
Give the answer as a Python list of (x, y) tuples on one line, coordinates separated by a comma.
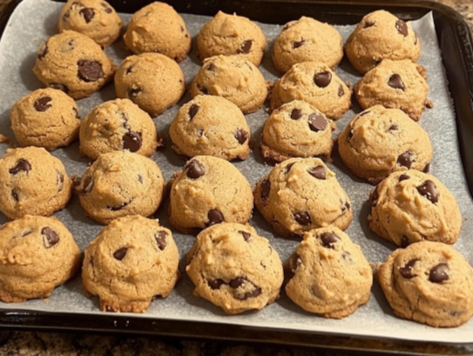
[(195, 170), (43, 52), (265, 189), (317, 122), (118, 207), (289, 166), (134, 92), (215, 283), (401, 27), (395, 81), (21, 166), (246, 235), (160, 238), (297, 44), (50, 237), (215, 217), (439, 273), (303, 218), (405, 159), (253, 294), (318, 172), (340, 91), (426, 168), (237, 282), (296, 114), (87, 13), (329, 239), (120, 253), (89, 71), (59, 86), (245, 47), (241, 136), (429, 190), (14, 194), (193, 110), (403, 177), (323, 79), (407, 271), (132, 141)]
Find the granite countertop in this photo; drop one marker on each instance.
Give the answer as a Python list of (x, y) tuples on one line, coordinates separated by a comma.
[(74, 344)]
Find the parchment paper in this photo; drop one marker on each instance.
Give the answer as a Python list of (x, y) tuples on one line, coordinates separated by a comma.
[(34, 20)]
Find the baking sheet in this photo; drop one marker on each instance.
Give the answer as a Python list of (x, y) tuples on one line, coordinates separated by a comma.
[(34, 20)]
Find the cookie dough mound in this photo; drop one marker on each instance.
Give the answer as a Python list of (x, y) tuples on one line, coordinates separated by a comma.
[(157, 27), (208, 191), (411, 206), (302, 194), (395, 84), (45, 118), (213, 126), (32, 182), (121, 183), (234, 78), (234, 268), (230, 35), (118, 125), (329, 275), (379, 141), (296, 129), (93, 18), (131, 261), (37, 254), (428, 282), (151, 80), (73, 63), (381, 35), (315, 83), (307, 40)]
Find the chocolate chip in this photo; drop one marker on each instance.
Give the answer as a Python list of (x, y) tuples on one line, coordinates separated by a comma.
[(368, 24), (50, 237), (211, 67), (87, 13), (134, 92), (237, 282), (426, 168), (393, 127), (317, 122), (296, 114), (193, 110), (245, 47), (215, 283), (289, 166), (401, 27), (160, 238), (403, 177), (405, 159), (140, 178), (395, 81), (106, 8), (59, 86), (246, 235), (129, 69), (118, 207), (43, 51), (303, 218), (89, 71), (404, 241), (318, 172), (345, 206), (323, 79), (253, 294), (340, 91), (407, 270), (297, 44), (329, 239), (429, 190), (195, 170), (215, 217), (265, 189), (132, 141), (21, 166), (14, 194), (439, 273), (120, 253), (241, 136), (202, 89), (88, 185)]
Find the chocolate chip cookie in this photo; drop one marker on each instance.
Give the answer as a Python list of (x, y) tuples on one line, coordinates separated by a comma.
[(302, 194), (315, 83), (45, 118), (328, 274), (379, 141), (230, 35), (37, 254), (411, 206), (213, 126), (296, 129), (428, 282), (121, 183), (93, 18), (381, 35), (157, 27), (131, 261), (73, 63), (32, 182), (151, 80), (234, 78), (118, 125), (307, 40), (234, 268), (395, 84), (208, 191)]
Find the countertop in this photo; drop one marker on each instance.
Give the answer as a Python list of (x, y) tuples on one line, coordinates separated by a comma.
[(14, 342)]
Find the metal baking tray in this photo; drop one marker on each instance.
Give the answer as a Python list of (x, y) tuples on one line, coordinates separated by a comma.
[(456, 49)]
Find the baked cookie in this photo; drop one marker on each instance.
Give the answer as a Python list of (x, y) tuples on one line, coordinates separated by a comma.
[(379, 141), (157, 27), (208, 191), (230, 35), (131, 261), (32, 182), (302, 194), (328, 274), (121, 183), (315, 83), (93, 18), (411, 206), (151, 80), (428, 282), (37, 254), (118, 125), (296, 129), (73, 63), (395, 84), (234, 268), (381, 35), (234, 78), (307, 40), (213, 126), (45, 118)]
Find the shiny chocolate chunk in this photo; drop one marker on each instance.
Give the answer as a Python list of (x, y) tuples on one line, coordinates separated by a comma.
[(120, 253), (297, 44), (215, 217), (89, 71), (50, 237), (215, 283), (21, 166), (401, 27), (303, 218), (317, 122), (403, 177), (132, 141), (265, 189), (245, 47), (59, 86), (241, 136), (195, 170), (296, 114), (253, 294), (439, 273), (193, 110), (341, 91), (246, 235), (87, 13), (322, 79), (237, 282), (429, 190), (43, 103), (160, 238), (329, 239), (426, 168), (407, 271), (318, 172), (395, 81), (405, 159)]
